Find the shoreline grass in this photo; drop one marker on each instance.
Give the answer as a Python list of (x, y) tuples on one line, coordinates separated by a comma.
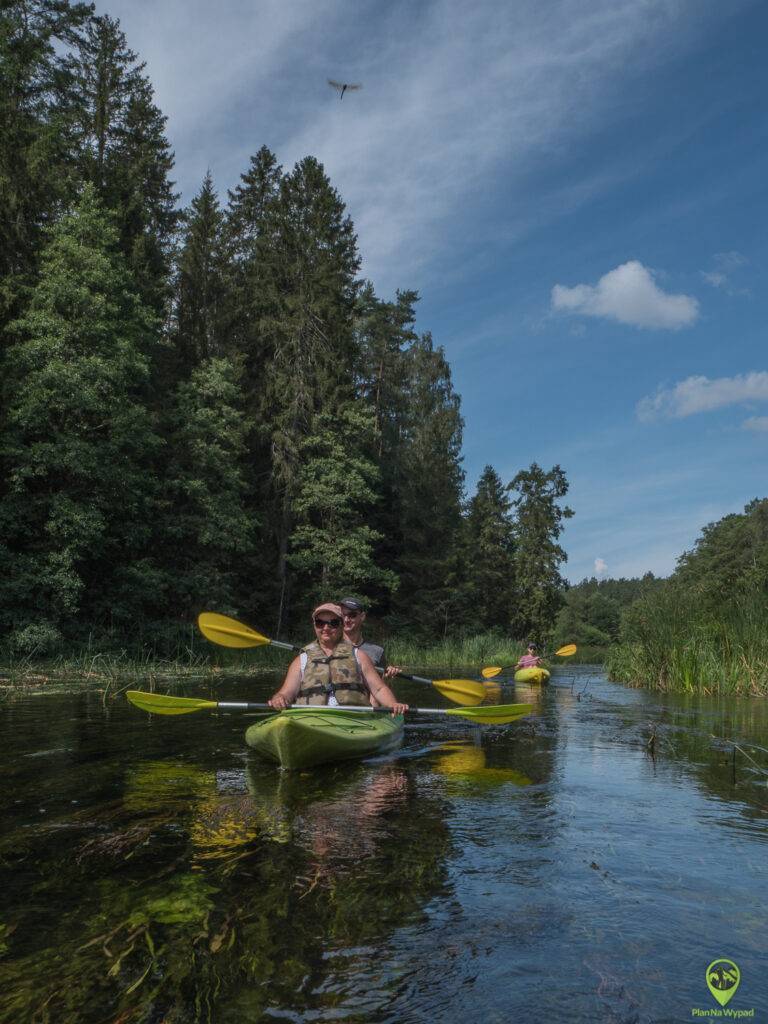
[(675, 644), (92, 666)]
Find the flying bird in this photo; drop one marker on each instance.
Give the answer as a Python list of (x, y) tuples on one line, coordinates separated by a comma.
[(343, 87)]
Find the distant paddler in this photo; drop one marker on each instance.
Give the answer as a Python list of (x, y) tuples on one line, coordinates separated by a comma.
[(531, 658), (330, 671)]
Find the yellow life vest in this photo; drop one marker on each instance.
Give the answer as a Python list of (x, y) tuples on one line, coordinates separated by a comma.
[(338, 674)]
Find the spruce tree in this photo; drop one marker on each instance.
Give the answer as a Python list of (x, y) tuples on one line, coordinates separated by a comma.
[(208, 529), (333, 545), (125, 154), (79, 442), (429, 490), (304, 287), (201, 282), (37, 174), (489, 563), (538, 556)]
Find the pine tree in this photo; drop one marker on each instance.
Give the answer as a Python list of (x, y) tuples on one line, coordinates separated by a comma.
[(75, 521), (538, 556)]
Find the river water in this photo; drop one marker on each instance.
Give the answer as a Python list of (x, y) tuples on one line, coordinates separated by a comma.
[(585, 864)]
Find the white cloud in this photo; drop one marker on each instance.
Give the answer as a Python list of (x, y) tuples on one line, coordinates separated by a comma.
[(601, 567), (700, 394), (757, 423), (630, 295)]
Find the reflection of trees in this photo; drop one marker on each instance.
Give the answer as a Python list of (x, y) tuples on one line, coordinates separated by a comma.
[(700, 732), (188, 898)]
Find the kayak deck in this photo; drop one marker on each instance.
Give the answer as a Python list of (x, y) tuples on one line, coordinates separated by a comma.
[(301, 737), (532, 675)]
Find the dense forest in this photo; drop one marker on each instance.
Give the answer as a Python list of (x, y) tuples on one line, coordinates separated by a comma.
[(208, 407)]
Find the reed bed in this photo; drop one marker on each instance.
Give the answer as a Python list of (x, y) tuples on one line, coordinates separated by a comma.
[(673, 642)]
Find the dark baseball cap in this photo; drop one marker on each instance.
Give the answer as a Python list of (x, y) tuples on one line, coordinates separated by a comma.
[(352, 603)]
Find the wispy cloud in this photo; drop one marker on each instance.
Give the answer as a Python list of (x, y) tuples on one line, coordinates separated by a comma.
[(724, 265), (700, 394), (601, 567), (630, 295), (459, 100), (757, 423)]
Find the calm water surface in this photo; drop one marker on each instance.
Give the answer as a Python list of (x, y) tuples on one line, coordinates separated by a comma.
[(562, 868)]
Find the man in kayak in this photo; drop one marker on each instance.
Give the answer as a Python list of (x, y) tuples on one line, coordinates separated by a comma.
[(531, 659), (330, 671), (354, 617)]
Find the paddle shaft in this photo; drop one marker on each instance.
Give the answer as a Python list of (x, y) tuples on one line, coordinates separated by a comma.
[(247, 706)]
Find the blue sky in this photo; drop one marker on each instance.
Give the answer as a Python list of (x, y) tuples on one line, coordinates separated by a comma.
[(577, 190)]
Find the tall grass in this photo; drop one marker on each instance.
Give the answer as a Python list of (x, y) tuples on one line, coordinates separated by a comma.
[(169, 653), (673, 642), (471, 654), (466, 653)]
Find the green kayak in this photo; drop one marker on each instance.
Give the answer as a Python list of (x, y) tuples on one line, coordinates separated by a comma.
[(531, 675), (300, 737)]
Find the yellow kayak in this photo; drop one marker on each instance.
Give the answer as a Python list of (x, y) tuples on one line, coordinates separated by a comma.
[(532, 675)]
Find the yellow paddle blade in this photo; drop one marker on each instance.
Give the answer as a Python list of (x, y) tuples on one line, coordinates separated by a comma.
[(226, 632), (491, 671), (164, 704), (493, 714), (566, 652), (460, 691)]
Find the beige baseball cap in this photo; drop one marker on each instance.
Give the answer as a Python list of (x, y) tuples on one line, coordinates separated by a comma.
[(328, 607)]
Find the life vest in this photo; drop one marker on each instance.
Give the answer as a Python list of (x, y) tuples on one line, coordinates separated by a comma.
[(325, 675)]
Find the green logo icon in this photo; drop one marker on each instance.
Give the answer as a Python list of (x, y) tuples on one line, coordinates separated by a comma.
[(723, 977)]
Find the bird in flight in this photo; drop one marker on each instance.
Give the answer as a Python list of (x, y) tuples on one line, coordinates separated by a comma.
[(343, 87)]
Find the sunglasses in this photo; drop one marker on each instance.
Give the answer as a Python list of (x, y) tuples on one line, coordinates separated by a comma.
[(332, 623), (350, 614)]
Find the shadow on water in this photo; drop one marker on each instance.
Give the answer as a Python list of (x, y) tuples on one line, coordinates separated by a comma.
[(586, 863)]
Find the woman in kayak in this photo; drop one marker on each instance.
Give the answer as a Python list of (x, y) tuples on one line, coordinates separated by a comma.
[(331, 671), (530, 659)]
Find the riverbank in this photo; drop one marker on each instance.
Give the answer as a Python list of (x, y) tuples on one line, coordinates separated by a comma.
[(466, 656)]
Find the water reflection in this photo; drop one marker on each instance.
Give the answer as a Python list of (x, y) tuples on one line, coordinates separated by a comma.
[(155, 871)]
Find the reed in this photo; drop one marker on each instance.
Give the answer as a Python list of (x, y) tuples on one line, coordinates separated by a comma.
[(675, 642)]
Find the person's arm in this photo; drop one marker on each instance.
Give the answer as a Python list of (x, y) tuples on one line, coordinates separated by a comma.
[(378, 687), (289, 691)]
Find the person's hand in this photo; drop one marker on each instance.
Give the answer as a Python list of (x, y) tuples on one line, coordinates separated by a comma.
[(399, 709), (278, 702), (391, 670)]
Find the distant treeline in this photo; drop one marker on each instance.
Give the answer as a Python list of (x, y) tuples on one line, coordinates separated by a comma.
[(207, 407), (704, 628)]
